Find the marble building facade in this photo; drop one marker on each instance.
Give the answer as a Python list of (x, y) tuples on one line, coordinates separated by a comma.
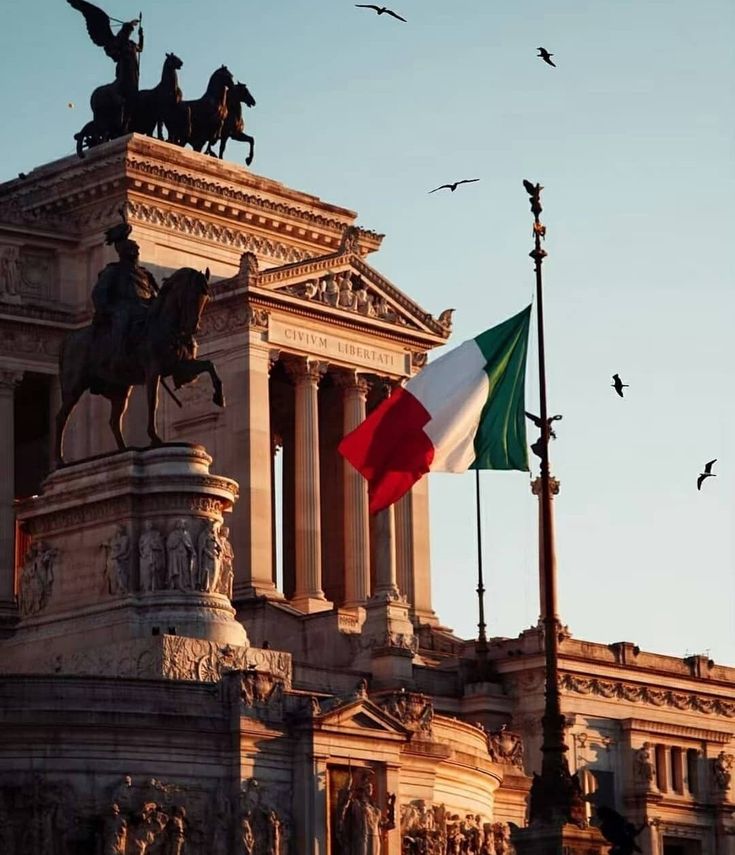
[(211, 647)]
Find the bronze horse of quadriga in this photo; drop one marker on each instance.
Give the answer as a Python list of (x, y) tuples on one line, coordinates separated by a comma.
[(165, 347), (208, 113), (233, 126)]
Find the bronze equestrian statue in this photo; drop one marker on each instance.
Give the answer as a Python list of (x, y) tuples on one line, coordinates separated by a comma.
[(140, 334), (112, 104), (233, 126)]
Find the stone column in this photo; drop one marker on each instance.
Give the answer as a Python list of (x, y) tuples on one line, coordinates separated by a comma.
[(554, 491), (357, 521), (247, 458), (8, 382), (308, 594), (386, 578), (412, 552)]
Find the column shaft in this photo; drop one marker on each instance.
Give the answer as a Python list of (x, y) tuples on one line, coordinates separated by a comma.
[(386, 587), (553, 490), (357, 521), (8, 382), (248, 457), (308, 595)]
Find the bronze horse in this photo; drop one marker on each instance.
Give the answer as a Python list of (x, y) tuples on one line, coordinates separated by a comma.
[(158, 106), (233, 126), (166, 348), (209, 112)]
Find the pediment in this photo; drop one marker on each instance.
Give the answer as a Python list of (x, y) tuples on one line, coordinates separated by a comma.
[(362, 716), (342, 282)]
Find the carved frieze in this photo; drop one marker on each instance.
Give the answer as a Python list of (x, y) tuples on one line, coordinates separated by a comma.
[(261, 827), (722, 771), (638, 693), (428, 829), (32, 342), (116, 565), (37, 578)]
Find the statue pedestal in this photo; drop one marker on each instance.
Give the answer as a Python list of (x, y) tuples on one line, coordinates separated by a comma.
[(126, 549), (559, 840)]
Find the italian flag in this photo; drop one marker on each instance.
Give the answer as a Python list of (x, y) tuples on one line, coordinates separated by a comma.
[(463, 411)]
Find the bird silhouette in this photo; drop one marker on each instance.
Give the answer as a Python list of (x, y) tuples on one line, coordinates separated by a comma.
[(381, 10), (454, 186), (618, 385), (546, 56), (708, 473)]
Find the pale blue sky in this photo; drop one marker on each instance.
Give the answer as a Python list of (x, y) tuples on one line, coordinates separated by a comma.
[(632, 136)]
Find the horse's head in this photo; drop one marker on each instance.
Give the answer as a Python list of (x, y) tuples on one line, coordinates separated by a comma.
[(183, 296), (220, 81), (172, 61), (242, 93)]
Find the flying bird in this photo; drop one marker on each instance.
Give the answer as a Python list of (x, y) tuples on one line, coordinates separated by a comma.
[(454, 186), (708, 473), (618, 385), (546, 56), (70, 105), (381, 10)]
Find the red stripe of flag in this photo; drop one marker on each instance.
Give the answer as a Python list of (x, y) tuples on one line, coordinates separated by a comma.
[(390, 448)]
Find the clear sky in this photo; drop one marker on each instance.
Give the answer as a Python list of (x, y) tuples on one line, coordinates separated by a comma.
[(632, 137)]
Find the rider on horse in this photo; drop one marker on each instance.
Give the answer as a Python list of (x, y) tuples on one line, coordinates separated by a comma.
[(123, 292)]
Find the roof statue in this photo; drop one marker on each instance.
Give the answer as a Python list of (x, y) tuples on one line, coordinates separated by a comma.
[(121, 107), (140, 335)]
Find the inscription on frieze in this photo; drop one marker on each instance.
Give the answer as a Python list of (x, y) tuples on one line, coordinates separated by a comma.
[(350, 350)]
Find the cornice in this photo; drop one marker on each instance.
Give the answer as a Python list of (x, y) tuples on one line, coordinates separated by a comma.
[(187, 181)]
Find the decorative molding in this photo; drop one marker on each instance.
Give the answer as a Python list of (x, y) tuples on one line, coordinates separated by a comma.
[(637, 693), (506, 747), (224, 235), (223, 191), (413, 710)]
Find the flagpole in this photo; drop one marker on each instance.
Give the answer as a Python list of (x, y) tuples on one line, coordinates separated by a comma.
[(555, 794), (481, 648)]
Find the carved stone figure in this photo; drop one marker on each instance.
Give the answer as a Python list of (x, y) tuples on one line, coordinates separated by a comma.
[(117, 561), (146, 827), (37, 578), (361, 822), (123, 794), (501, 833), (208, 553), (643, 764), (364, 302), (152, 555), (346, 298), (115, 832), (413, 710), (312, 290), (246, 836), (274, 834), (175, 832), (504, 746), (721, 770), (488, 839), (181, 557), (227, 558), (9, 271), (331, 290)]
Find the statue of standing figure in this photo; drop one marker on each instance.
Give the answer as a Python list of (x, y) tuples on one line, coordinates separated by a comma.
[(209, 557), (361, 822), (181, 558), (115, 832), (227, 559), (117, 563), (152, 555)]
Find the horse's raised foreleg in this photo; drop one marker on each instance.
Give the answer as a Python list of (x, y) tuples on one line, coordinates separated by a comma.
[(240, 136), (118, 405), (186, 372), (151, 384)]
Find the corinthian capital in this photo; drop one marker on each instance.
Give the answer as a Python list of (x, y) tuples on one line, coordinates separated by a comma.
[(9, 379), (303, 370), (350, 381)]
